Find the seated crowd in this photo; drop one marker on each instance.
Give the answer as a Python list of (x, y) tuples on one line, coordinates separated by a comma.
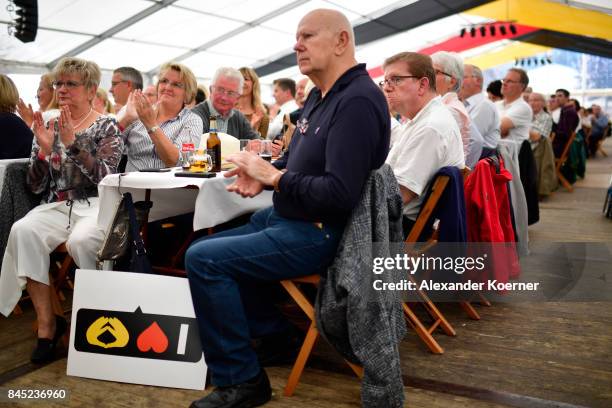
[(344, 132)]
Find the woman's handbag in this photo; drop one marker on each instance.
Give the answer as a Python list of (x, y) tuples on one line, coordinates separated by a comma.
[(139, 261), (119, 237)]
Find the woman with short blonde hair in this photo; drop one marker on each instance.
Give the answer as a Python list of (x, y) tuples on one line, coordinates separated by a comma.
[(154, 134), (69, 157), (186, 76)]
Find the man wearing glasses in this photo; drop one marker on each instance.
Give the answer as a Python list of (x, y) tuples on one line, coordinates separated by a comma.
[(429, 140), (124, 81), (224, 93), (515, 113)]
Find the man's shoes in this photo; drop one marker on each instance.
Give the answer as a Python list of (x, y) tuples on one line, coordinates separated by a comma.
[(252, 393), (279, 348), (45, 348)]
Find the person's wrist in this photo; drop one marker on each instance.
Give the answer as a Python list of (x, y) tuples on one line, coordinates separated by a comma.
[(276, 180)]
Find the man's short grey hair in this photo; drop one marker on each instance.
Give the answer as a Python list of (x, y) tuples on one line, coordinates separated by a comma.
[(130, 74), (229, 72), (452, 64), (476, 72)]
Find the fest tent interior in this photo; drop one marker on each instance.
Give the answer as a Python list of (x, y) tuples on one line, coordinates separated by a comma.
[(206, 34)]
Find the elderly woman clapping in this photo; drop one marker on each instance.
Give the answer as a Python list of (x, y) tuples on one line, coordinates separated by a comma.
[(70, 155), (154, 134)]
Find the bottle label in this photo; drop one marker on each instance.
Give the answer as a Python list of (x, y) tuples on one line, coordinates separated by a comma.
[(188, 147)]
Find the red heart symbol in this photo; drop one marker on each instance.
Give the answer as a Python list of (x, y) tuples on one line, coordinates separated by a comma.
[(152, 338)]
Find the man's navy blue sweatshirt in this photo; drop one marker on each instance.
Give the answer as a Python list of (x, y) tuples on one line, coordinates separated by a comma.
[(338, 141)]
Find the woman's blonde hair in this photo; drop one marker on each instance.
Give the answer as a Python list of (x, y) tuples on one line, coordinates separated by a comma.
[(108, 106), (8, 94), (89, 71), (47, 80), (186, 76), (249, 73)]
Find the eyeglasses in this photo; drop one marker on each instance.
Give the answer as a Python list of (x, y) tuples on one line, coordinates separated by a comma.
[(226, 92), (68, 84), (115, 83), (395, 80), (509, 81), (443, 73), (173, 84)]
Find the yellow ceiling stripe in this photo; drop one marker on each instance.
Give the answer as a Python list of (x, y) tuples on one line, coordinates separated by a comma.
[(550, 16), (506, 54)]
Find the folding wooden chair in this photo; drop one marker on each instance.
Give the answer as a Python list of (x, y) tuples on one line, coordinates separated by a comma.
[(561, 160), (600, 142), (311, 335), (423, 331)]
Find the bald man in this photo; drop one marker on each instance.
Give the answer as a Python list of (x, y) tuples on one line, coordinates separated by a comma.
[(342, 135)]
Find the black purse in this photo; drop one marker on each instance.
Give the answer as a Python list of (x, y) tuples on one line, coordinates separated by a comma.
[(123, 243), (139, 261)]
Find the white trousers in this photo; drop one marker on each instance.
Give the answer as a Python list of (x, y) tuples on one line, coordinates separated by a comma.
[(35, 236)]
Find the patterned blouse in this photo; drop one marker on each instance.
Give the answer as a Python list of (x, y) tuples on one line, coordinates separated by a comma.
[(73, 172), (542, 123)]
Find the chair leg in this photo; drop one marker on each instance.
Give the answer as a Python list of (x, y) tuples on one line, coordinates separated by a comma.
[(435, 313), (469, 309), (483, 300), (564, 182), (421, 331), (300, 362)]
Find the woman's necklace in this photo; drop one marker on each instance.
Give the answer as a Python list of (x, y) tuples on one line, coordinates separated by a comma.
[(82, 120)]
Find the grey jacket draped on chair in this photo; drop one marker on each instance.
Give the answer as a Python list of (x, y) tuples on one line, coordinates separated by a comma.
[(363, 324), (16, 200)]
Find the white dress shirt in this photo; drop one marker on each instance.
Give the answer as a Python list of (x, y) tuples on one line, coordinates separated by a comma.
[(520, 113), (485, 116), (421, 147), (276, 124)]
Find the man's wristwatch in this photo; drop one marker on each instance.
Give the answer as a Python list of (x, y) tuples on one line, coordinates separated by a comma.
[(152, 130)]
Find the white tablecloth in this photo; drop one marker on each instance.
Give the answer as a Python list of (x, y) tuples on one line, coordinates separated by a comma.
[(209, 200)]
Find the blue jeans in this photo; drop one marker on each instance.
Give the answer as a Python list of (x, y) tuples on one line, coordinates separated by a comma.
[(229, 274)]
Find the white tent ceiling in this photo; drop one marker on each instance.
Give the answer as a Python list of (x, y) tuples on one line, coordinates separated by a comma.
[(145, 33)]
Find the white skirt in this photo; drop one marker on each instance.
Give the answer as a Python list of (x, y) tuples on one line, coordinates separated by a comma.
[(35, 236)]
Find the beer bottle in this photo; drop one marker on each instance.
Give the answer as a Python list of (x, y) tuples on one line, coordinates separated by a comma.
[(213, 145)]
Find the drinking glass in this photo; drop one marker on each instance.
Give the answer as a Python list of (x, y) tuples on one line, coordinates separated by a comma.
[(265, 150), (200, 162)]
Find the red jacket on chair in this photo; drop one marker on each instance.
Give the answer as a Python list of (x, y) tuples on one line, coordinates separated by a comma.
[(488, 216)]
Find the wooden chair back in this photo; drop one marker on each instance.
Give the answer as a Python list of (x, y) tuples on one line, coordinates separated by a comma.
[(561, 160)]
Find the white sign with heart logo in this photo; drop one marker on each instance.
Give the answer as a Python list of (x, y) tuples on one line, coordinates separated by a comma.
[(135, 328)]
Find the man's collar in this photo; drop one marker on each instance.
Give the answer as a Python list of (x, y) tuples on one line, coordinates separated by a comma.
[(347, 77), (474, 99), (216, 113), (433, 101)]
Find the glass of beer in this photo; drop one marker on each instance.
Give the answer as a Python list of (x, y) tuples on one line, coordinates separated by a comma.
[(265, 150), (200, 162)]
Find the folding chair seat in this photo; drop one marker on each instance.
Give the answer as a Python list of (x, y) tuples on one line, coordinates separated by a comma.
[(559, 162), (291, 286)]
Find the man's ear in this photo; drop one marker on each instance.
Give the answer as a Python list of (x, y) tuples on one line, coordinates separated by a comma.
[(342, 42)]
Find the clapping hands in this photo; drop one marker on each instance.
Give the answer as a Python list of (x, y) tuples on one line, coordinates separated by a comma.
[(44, 136), (26, 112)]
